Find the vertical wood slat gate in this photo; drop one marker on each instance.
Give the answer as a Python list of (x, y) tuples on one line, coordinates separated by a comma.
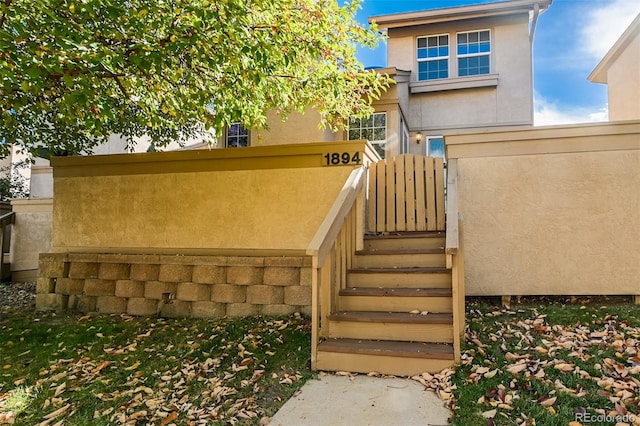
[(406, 193)]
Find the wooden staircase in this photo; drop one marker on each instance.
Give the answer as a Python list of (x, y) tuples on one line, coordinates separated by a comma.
[(390, 301), (395, 313)]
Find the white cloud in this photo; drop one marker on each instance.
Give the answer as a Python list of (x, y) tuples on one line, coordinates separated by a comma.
[(604, 25), (550, 113)]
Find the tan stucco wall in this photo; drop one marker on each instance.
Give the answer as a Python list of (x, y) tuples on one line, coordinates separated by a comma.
[(113, 206), (539, 222), (30, 236), (623, 81), (298, 128), (507, 104)]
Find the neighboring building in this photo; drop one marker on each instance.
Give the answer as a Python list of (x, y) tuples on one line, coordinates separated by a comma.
[(466, 67), (620, 71)]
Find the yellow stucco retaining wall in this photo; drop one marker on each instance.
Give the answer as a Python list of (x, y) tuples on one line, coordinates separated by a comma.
[(268, 198), (551, 210)]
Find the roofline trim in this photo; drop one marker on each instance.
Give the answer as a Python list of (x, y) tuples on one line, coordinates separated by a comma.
[(458, 13), (599, 73)]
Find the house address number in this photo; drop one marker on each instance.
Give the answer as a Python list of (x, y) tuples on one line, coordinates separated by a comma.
[(341, 158)]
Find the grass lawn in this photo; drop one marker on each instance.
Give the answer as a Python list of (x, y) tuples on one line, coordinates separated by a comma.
[(106, 370), (543, 362), (549, 362)]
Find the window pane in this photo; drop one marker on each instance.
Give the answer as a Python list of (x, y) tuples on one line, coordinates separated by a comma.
[(379, 147), (432, 41), (484, 36), (473, 37), (432, 52), (443, 40), (436, 147), (372, 128), (462, 38), (485, 47), (422, 42), (422, 53)]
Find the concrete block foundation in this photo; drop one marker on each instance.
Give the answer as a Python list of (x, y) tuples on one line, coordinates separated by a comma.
[(174, 286)]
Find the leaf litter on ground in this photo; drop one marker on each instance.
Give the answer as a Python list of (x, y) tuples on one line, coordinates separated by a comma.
[(116, 370)]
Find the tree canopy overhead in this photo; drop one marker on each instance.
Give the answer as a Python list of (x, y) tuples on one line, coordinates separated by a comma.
[(74, 72)]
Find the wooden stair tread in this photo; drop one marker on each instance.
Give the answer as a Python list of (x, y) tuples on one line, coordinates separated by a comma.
[(396, 292), (420, 270), (402, 251), (392, 317), (408, 234), (388, 348)]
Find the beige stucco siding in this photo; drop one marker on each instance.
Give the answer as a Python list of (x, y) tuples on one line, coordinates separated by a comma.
[(513, 63), (457, 104), (623, 80), (298, 128), (267, 209), (551, 210)]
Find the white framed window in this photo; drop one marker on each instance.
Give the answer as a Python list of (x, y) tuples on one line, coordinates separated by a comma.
[(237, 135), (474, 52), (372, 128), (433, 57)]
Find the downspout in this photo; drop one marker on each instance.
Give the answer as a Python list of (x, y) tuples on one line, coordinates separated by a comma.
[(534, 21), (532, 31)]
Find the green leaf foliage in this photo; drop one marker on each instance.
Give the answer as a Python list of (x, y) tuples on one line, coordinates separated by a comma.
[(74, 72)]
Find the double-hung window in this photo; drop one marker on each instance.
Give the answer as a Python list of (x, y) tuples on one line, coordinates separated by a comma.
[(237, 136), (474, 51), (433, 57), (372, 128)]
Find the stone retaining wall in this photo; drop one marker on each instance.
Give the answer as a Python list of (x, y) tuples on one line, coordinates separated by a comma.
[(174, 286)]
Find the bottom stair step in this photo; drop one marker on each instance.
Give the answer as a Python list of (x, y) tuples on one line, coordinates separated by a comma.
[(385, 357), (389, 348)]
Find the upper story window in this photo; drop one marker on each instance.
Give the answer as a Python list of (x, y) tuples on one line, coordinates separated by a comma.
[(474, 51), (433, 57), (237, 136), (372, 128)]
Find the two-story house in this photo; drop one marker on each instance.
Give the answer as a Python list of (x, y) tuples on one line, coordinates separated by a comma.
[(454, 68), (463, 67)]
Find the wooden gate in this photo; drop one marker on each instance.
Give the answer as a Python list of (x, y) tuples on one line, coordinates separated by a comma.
[(406, 193)]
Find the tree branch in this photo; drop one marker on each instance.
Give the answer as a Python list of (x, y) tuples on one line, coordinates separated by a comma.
[(3, 18)]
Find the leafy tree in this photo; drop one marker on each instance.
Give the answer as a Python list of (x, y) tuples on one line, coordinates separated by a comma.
[(12, 183), (72, 72)]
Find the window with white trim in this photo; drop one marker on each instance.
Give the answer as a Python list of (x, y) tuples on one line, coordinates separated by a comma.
[(474, 52), (372, 128), (237, 136), (433, 57)]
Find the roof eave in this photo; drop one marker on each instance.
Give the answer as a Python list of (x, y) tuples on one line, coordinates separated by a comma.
[(599, 73), (458, 13)]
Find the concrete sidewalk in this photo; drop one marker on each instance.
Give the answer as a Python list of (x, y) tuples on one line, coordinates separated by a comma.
[(362, 400)]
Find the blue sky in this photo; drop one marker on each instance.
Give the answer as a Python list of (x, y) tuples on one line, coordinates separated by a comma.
[(571, 38)]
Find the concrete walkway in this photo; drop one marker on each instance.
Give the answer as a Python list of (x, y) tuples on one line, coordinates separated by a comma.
[(362, 400)]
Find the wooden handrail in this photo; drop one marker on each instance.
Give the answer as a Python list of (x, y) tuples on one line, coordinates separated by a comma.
[(7, 219), (330, 227)]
